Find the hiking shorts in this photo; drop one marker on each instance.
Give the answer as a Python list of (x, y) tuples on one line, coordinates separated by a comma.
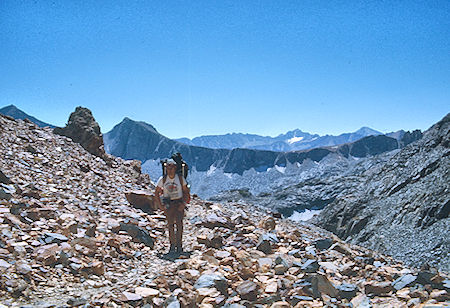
[(172, 209)]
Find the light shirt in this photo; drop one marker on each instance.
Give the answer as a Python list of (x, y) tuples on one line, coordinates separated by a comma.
[(172, 188)]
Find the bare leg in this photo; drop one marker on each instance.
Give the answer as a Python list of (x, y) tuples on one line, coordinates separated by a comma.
[(179, 235), (171, 224)]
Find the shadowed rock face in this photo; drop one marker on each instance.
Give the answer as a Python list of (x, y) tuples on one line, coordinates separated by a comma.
[(401, 206), (83, 129)]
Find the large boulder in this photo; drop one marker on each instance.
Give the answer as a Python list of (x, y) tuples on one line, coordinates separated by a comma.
[(141, 200), (83, 129)]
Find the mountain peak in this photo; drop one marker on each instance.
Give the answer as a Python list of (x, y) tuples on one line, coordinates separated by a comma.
[(128, 121), (10, 106), (16, 113), (367, 131)]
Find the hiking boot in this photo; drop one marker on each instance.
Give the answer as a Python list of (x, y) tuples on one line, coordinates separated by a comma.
[(172, 250)]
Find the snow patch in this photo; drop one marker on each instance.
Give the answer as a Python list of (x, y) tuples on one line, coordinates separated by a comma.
[(304, 216), (294, 140), (211, 170), (280, 169)]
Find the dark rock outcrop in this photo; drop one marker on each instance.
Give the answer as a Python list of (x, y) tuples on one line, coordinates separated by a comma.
[(369, 146), (4, 179), (83, 129), (410, 137), (401, 206)]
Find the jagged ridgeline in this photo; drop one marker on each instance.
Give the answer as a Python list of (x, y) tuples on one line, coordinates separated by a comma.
[(69, 237), (401, 206)]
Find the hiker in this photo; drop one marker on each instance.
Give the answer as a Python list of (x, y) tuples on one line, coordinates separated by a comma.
[(176, 194)]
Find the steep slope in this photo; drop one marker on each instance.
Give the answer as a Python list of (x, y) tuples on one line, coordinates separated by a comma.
[(69, 238), (16, 113), (402, 205)]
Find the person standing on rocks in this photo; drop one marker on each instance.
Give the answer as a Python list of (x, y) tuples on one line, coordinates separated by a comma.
[(173, 187)]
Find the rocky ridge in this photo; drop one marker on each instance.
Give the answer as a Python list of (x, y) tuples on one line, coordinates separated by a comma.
[(401, 206), (69, 237)]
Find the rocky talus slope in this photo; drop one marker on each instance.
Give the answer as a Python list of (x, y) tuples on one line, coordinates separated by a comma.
[(401, 206), (69, 237)]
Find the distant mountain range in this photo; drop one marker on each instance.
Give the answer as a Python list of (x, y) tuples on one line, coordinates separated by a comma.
[(139, 140), (294, 140), (16, 113)]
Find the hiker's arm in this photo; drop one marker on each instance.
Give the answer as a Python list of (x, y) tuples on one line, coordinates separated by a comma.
[(158, 193), (186, 194)]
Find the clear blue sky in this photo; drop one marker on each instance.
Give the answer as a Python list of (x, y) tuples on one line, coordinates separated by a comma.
[(210, 67)]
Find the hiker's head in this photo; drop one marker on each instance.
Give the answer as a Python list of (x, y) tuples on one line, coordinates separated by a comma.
[(171, 166)]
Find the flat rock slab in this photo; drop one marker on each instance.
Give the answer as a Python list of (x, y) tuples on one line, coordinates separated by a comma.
[(54, 238), (404, 281), (138, 234), (4, 264), (322, 244), (347, 290), (146, 292), (129, 297), (310, 266), (378, 288)]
